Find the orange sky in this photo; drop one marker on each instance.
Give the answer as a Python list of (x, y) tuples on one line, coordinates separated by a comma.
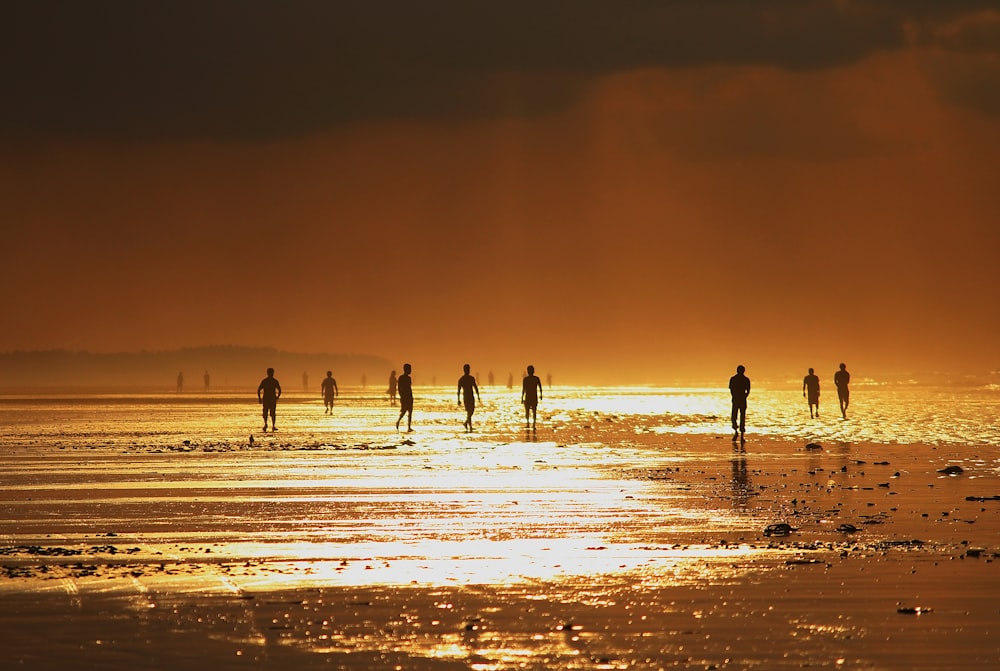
[(603, 216)]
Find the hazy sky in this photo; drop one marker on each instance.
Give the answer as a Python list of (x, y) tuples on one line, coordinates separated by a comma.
[(653, 189)]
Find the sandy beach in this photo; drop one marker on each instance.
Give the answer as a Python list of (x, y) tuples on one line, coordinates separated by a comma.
[(595, 542)]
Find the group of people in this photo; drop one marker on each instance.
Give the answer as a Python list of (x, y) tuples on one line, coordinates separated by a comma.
[(739, 388), (467, 392), (810, 390), (269, 390)]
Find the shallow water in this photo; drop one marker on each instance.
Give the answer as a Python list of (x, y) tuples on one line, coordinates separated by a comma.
[(628, 513), (904, 415), (605, 467)]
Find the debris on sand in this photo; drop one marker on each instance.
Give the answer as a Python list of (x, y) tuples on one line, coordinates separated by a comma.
[(779, 529), (952, 470)]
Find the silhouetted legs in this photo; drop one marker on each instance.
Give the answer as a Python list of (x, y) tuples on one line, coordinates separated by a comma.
[(530, 414), (405, 408), (739, 419), (845, 400), (270, 409)]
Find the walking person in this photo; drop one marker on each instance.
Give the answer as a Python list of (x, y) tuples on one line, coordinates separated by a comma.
[(739, 387), (268, 393), (810, 390), (467, 386), (531, 393), (392, 387), (404, 385), (842, 378), (329, 390)]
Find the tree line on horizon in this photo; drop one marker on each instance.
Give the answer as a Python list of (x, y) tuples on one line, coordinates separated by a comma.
[(228, 367)]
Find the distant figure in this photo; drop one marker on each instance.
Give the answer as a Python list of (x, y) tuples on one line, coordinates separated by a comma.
[(510, 380), (548, 381), (208, 379), (268, 393), (739, 387), (467, 385), (305, 380), (842, 378), (180, 382), (531, 392), (329, 390), (405, 386), (392, 387), (810, 388), (489, 378), (364, 381)]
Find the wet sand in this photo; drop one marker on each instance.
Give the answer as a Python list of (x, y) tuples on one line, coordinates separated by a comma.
[(596, 545)]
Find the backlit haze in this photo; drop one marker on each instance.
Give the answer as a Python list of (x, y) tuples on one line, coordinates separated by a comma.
[(625, 191)]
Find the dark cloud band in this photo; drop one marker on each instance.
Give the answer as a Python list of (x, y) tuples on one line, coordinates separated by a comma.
[(255, 69)]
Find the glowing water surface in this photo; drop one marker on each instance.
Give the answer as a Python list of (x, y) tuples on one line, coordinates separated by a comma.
[(346, 499), (624, 532)]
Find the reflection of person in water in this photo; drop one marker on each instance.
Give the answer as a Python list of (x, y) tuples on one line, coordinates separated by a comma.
[(741, 477), (842, 378), (810, 389), (467, 386), (268, 392), (531, 393), (329, 390), (405, 387), (739, 387)]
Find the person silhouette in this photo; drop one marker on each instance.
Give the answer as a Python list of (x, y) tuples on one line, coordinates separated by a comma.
[(405, 387), (392, 387), (739, 387), (208, 379), (810, 389), (180, 382), (467, 385), (329, 390), (268, 393), (842, 378), (531, 393)]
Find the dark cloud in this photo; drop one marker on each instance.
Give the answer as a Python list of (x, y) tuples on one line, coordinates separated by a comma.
[(972, 83), (251, 69)]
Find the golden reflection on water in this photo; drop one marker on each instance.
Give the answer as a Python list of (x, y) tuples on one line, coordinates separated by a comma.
[(485, 562), (436, 506), (504, 549)]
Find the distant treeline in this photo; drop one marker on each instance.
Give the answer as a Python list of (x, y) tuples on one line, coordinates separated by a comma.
[(228, 367)]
